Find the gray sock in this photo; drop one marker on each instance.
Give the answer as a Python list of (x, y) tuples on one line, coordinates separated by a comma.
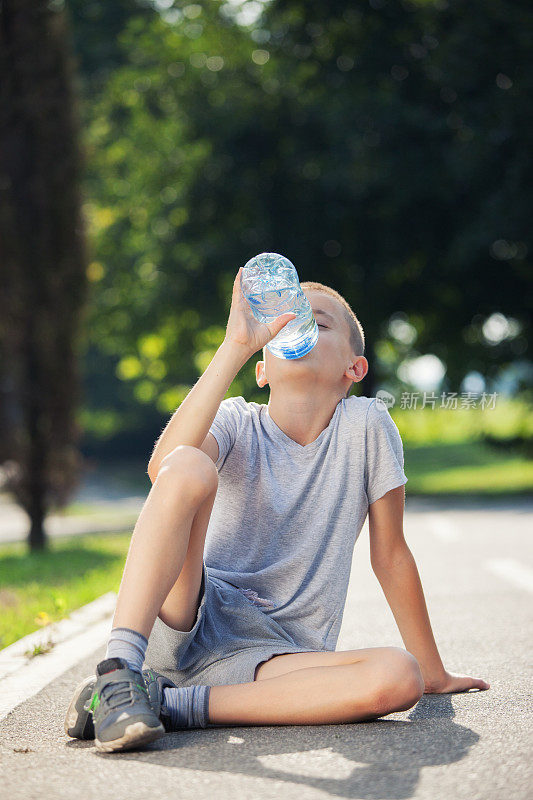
[(187, 706), (128, 644)]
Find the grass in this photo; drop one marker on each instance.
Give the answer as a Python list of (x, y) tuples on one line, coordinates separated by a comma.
[(463, 451), (40, 588), (473, 468)]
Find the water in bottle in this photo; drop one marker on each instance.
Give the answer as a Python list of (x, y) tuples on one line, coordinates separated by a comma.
[(271, 286)]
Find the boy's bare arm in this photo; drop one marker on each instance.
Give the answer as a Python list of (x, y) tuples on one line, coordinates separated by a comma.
[(190, 423), (395, 568)]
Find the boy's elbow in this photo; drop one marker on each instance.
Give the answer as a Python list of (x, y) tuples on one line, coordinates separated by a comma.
[(152, 471), (395, 557)]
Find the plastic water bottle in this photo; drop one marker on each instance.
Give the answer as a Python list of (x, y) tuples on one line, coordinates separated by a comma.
[(271, 286)]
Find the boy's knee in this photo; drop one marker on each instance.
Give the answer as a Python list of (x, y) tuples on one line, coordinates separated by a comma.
[(401, 685), (191, 467), (411, 685)]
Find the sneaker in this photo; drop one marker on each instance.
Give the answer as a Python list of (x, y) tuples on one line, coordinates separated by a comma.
[(79, 720), (123, 716), (155, 685)]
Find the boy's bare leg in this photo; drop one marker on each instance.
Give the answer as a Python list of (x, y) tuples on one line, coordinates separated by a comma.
[(163, 569), (162, 576), (380, 681)]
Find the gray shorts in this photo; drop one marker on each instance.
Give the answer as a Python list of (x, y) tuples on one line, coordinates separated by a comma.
[(231, 636)]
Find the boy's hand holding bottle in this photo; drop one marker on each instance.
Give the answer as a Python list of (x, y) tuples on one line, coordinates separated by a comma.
[(243, 330)]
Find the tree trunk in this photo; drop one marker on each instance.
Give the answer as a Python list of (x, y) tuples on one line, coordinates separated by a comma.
[(42, 256)]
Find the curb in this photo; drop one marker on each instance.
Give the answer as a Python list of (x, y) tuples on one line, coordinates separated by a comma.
[(65, 642)]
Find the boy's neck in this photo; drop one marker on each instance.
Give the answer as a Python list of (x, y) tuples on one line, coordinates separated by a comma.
[(302, 418)]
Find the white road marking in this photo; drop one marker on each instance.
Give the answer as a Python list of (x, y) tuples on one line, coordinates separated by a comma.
[(74, 638), (442, 528), (512, 571)]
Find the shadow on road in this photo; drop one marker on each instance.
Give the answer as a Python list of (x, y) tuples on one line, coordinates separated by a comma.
[(372, 759)]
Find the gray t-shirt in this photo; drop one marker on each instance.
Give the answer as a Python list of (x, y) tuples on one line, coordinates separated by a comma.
[(286, 516)]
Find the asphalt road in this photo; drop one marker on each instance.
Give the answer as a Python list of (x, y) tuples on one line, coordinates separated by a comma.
[(476, 566)]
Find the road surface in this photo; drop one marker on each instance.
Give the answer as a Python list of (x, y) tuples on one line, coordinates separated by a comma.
[(476, 566)]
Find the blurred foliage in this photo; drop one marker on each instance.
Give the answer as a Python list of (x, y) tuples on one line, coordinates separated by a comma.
[(509, 422), (382, 146), (96, 27)]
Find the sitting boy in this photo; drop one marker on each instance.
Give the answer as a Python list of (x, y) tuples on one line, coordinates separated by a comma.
[(238, 567)]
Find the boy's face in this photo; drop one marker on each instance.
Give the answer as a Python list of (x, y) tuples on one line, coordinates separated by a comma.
[(325, 366)]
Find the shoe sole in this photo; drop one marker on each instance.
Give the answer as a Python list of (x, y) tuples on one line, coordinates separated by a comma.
[(138, 733), (72, 717)]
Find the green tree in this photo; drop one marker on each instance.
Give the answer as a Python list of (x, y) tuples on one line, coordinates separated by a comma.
[(96, 27), (381, 146)]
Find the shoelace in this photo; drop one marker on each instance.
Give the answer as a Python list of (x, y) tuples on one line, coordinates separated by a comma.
[(121, 693)]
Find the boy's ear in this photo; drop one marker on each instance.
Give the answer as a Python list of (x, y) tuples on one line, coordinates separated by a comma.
[(358, 369), (260, 375)]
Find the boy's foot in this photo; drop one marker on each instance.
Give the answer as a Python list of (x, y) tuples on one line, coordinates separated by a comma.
[(79, 719), (122, 713)]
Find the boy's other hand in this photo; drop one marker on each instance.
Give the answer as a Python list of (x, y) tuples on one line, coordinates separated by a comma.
[(243, 330), (450, 682)]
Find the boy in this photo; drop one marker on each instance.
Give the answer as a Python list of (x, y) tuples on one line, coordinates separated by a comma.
[(284, 489)]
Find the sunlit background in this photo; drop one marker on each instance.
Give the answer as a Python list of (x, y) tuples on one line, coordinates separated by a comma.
[(152, 148)]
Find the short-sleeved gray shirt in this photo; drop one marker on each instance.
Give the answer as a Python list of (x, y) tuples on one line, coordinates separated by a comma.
[(286, 516)]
